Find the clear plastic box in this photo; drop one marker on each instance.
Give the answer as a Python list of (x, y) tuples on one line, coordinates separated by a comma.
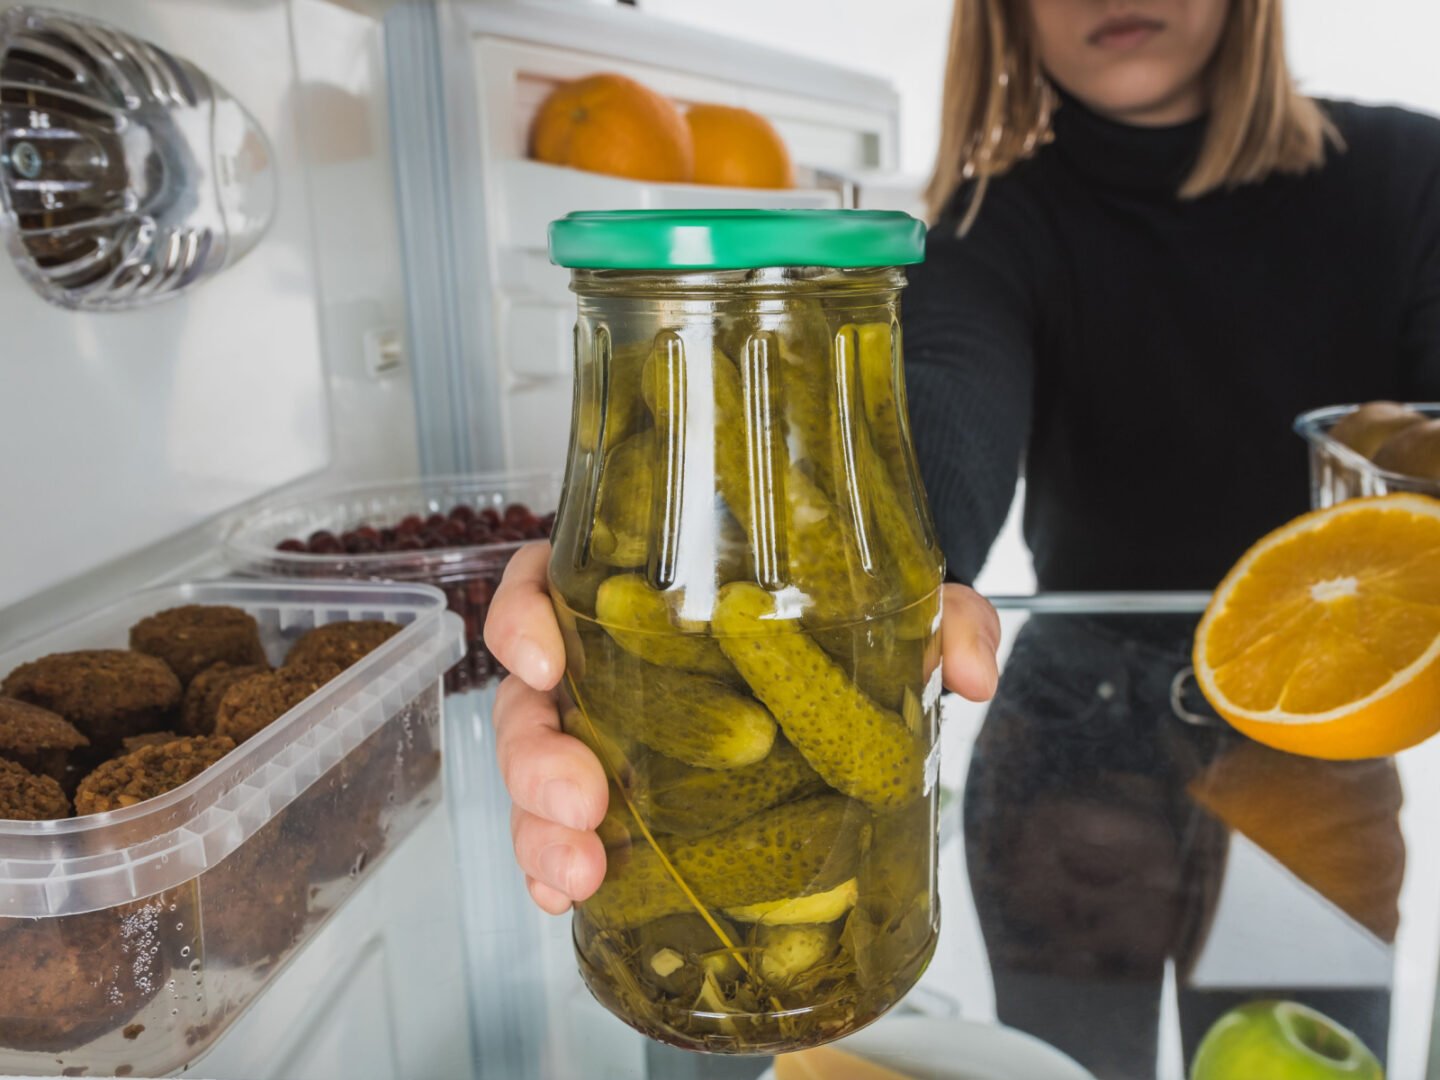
[(467, 574), (130, 940), (1338, 473)]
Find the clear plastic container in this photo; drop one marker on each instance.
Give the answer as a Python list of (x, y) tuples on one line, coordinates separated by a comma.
[(467, 574), (1338, 473), (130, 940), (749, 586)]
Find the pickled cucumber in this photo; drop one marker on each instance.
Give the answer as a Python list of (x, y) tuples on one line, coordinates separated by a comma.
[(686, 801), (882, 664), (893, 921), (621, 534), (795, 850), (791, 951), (797, 534), (817, 908), (640, 620), (859, 748), (624, 406), (616, 751), (693, 718), (878, 375)]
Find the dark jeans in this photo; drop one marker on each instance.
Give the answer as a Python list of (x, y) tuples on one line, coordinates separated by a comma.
[(1092, 865)]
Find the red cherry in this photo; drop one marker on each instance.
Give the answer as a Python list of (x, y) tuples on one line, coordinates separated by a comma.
[(479, 592), (368, 532), (490, 517), (410, 524), (548, 523), (290, 544), (387, 537), (462, 513), (326, 545), (455, 532), (479, 534), (408, 542), (435, 521), (517, 514), (507, 535)]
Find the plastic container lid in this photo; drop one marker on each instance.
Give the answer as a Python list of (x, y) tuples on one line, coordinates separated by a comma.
[(735, 239)]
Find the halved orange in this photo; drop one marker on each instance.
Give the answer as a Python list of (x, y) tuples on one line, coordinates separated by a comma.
[(1324, 639)]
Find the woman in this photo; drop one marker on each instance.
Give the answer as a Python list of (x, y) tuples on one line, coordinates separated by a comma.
[(1151, 252)]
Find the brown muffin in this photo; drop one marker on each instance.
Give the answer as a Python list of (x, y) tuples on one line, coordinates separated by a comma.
[(152, 738), (203, 695), (148, 772), (342, 643), (193, 637), (66, 980), (257, 899), (106, 693), (27, 797), (254, 703), (36, 738)]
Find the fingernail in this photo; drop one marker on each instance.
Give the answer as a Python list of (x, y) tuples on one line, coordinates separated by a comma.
[(561, 801), (555, 863), (531, 663)]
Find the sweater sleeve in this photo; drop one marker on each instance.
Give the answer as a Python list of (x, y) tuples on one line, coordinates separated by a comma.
[(970, 331), (1420, 334)]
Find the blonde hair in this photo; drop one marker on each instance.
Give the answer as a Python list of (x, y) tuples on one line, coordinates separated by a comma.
[(998, 104)]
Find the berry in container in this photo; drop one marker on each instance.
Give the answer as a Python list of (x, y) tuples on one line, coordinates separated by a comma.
[(453, 532)]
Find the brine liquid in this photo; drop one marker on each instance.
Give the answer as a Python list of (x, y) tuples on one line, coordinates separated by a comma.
[(772, 824)]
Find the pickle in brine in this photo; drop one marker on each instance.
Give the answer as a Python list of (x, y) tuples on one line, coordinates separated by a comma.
[(789, 952), (616, 750), (683, 800), (621, 534), (642, 623), (860, 749), (624, 407), (804, 847), (693, 718)]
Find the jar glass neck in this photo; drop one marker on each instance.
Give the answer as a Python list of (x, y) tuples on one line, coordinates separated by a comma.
[(776, 282)]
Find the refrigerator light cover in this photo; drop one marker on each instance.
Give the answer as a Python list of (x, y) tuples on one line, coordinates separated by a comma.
[(127, 175)]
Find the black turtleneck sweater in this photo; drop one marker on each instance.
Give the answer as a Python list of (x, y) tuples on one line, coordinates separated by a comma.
[(1145, 357)]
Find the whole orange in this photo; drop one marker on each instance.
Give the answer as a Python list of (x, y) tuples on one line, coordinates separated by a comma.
[(738, 148), (612, 124)]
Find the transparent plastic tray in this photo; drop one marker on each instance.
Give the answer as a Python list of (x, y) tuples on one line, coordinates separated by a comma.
[(467, 574), (1338, 473), (130, 940)]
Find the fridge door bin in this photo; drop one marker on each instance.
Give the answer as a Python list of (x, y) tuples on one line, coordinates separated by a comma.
[(130, 940)]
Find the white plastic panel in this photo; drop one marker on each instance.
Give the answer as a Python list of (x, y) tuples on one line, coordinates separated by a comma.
[(119, 429)]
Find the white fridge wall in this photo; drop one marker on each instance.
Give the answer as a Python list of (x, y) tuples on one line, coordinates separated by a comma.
[(125, 435), (120, 429)]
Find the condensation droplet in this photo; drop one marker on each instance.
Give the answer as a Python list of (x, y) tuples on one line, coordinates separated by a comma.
[(185, 950)]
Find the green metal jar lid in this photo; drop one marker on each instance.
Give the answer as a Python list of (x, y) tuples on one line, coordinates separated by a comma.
[(735, 239)]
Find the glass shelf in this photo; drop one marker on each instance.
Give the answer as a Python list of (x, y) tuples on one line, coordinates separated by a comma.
[(1118, 868)]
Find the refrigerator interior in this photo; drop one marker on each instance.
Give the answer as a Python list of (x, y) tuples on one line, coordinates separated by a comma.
[(398, 316)]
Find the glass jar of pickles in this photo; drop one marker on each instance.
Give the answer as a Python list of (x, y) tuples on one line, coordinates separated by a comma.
[(749, 586)]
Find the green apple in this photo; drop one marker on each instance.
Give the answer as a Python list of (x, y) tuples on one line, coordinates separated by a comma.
[(1281, 1040)]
